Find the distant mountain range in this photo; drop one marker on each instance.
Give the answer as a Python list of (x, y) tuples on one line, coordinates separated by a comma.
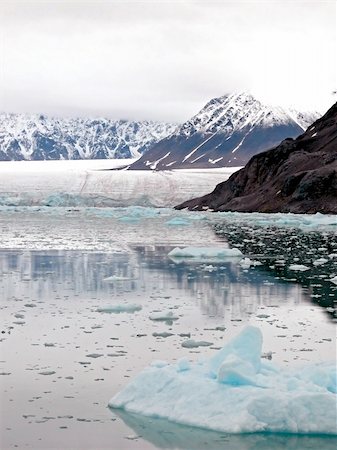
[(228, 131), (38, 137), (299, 176)]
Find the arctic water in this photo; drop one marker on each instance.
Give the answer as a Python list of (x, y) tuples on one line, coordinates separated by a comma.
[(90, 296)]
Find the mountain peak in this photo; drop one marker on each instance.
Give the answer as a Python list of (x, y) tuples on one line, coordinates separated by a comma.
[(227, 131)]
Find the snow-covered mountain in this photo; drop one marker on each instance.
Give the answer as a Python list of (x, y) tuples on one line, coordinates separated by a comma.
[(37, 137), (228, 131)]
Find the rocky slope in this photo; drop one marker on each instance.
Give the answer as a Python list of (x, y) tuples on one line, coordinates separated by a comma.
[(228, 131), (297, 176), (34, 137)]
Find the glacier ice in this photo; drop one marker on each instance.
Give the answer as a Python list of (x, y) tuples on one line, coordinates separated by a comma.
[(236, 392)]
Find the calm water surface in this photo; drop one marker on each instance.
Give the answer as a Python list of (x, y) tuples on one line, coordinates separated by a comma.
[(62, 359)]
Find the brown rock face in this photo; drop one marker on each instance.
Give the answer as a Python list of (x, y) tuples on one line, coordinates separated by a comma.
[(298, 176)]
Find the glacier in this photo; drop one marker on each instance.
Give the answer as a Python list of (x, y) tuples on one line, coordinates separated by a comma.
[(93, 183), (236, 391)]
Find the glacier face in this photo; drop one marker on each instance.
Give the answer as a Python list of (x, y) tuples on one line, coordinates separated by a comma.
[(227, 131), (38, 137)]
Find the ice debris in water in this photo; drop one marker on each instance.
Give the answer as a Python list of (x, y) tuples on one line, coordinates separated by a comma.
[(204, 252), (128, 308), (236, 392), (114, 278), (162, 316), (334, 280), (191, 343), (298, 267)]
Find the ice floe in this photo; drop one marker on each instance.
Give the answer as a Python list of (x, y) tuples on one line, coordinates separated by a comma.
[(204, 252), (128, 308), (236, 392), (298, 267), (163, 316)]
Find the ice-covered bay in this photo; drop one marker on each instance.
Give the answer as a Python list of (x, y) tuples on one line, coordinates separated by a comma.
[(80, 287)]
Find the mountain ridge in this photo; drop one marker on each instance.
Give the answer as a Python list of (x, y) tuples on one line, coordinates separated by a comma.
[(227, 131), (40, 137), (299, 176)]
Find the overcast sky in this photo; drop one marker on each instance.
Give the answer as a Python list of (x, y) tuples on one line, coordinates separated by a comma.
[(163, 60)]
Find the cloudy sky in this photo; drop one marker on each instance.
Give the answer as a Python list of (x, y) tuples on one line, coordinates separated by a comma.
[(163, 60)]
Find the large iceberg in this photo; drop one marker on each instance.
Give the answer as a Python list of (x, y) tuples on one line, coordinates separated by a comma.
[(236, 392)]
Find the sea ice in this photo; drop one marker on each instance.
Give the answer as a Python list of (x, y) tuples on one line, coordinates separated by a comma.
[(236, 392)]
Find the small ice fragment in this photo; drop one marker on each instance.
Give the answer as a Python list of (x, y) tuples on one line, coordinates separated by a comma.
[(94, 355), (116, 309), (191, 343), (298, 267), (114, 278), (163, 317), (47, 372), (334, 280), (163, 334), (49, 344), (320, 261)]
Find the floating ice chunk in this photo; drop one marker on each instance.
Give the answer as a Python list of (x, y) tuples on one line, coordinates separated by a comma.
[(128, 308), (191, 343), (204, 252), (320, 261), (114, 278), (246, 395), (163, 316), (298, 267), (94, 355), (163, 334), (47, 372), (334, 280), (245, 263)]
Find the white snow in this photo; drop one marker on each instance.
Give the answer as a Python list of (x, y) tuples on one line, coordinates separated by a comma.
[(197, 148), (236, 391), (79, 137), (214, 161), (231, 113)]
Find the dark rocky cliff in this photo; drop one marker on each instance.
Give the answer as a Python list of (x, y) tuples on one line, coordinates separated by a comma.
[(298, 176)]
